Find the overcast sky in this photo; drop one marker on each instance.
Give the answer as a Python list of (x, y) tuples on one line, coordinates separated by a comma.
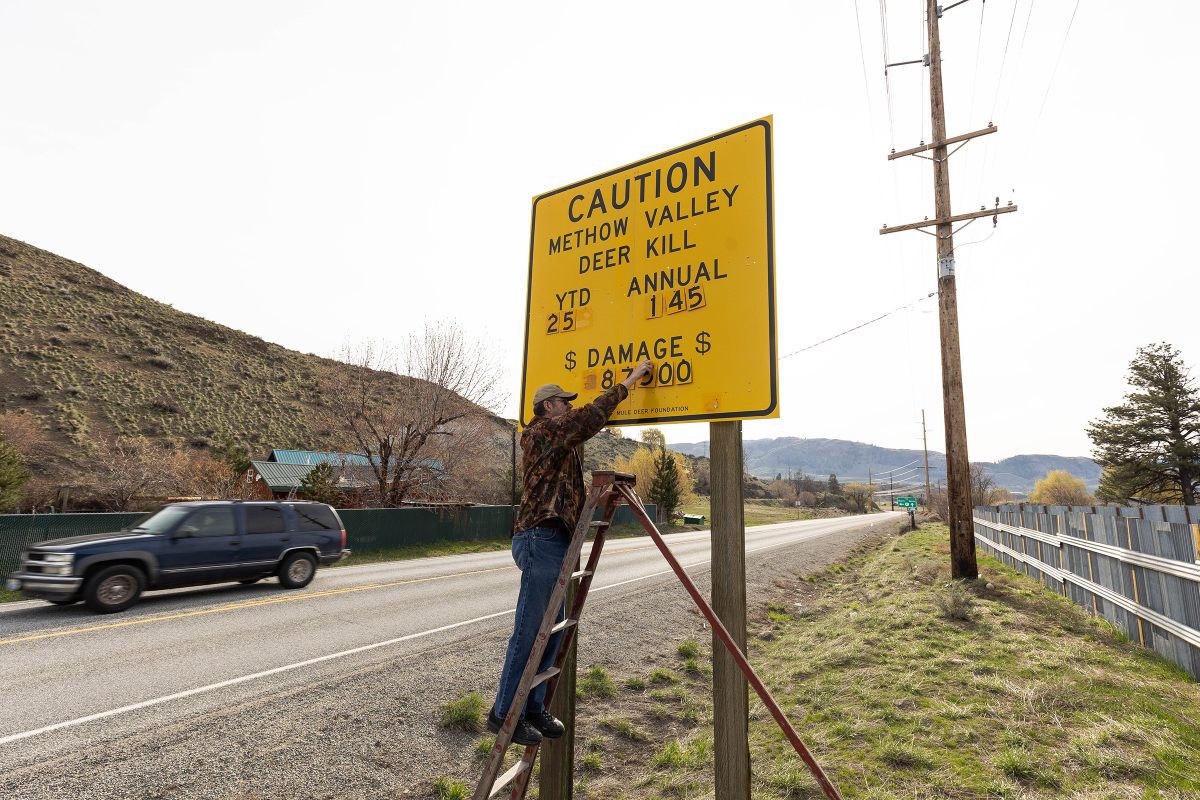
[(317, 173)]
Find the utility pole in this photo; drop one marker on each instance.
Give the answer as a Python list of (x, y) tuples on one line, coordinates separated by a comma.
[(892, 492), (925, 444), (962, 536)]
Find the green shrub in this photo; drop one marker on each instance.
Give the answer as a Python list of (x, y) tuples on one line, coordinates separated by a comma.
[(688, 649)]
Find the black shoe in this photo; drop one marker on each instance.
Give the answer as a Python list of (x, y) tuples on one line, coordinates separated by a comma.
[(546, 724), (523, 733)]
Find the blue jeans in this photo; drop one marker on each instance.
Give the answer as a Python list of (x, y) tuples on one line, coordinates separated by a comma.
[(539, 553)]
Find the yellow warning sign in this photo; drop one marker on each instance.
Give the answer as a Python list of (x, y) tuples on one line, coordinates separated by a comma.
[(671, 259)]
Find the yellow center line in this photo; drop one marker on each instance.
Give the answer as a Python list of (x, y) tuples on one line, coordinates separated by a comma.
[(247, 604)]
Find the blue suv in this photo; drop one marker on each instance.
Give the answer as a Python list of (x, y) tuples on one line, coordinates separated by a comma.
[(184, 544)]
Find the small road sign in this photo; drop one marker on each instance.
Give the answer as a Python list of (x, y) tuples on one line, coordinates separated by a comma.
[(906, 502)]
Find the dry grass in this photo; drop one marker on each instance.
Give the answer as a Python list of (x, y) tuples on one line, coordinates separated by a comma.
[(1025, 697)]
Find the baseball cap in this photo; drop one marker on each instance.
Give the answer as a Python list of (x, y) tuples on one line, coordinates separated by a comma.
[(546, 391)]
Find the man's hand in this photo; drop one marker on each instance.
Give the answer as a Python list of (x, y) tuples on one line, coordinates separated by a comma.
[(640, 371)]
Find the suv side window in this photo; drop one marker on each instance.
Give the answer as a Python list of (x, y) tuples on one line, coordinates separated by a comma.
[(315, 517), (263, 519), (215, 521)]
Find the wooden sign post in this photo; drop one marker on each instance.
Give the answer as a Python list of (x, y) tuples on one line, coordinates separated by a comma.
[(731, 721)]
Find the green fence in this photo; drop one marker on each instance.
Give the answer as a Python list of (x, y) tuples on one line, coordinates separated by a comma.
[(18, 531), (367, 530)]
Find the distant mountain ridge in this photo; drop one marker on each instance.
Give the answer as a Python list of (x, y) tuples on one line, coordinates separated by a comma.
[(856, 461)]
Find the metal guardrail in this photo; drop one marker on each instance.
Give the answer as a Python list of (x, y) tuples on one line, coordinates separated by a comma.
[(1137, 567)]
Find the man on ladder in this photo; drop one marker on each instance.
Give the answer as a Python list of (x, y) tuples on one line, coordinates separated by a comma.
[(551, 500)]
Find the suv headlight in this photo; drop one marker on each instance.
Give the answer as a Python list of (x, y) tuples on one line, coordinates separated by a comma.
[(58, 563)]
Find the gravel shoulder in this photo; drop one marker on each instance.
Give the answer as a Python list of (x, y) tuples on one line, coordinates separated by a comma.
[(373, 732)]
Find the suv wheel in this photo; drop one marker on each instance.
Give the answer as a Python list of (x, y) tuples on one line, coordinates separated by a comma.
[(297, 570), (113, 589)]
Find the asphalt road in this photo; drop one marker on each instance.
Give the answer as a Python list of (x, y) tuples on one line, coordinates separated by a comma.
[(70, 678)]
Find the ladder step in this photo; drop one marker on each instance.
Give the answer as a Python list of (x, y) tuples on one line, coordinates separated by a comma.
[(598, 523), (583, 573), (562, 626), (507, 778), (542, 677)]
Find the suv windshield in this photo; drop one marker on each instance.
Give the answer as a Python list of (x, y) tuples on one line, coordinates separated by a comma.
[(163, 521)]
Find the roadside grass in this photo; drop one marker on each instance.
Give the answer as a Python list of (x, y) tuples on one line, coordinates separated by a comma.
[(905, 684), (465, 714), (447, 789), (596, 682)]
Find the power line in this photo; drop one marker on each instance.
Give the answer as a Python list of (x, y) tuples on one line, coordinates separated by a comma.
[(856, 327), (897, 469), (1056, 63), (863, 59), (887, 81), (978, 49), (1004, 59), (1020, 54)]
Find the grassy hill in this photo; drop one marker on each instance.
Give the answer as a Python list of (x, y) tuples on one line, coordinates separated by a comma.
[(90, 358)]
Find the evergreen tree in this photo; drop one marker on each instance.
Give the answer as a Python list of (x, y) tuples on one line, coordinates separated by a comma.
[(665, 489), (1150, 445), (321, 486), (834, 487), (13, 476)]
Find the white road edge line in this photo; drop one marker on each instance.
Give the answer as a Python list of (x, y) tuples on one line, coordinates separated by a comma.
[(289, 667)]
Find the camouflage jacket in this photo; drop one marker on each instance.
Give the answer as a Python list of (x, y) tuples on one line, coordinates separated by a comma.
[(552, 459)]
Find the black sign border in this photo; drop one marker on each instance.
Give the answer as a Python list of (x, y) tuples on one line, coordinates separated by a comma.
[(766, 126)]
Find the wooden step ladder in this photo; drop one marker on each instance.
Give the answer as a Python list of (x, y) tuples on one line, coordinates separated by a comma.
[(609, 490)]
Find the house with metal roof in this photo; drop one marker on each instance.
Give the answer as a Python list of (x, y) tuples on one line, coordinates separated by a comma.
[(313, 458), (285, 470), (284, 480)]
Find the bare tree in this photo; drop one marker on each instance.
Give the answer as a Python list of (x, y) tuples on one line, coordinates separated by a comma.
[(785, 491), (419, 415), (984, 492), (124, 469), (189, 473)]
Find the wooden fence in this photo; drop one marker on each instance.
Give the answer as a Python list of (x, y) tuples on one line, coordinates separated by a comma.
[(1139, 568)]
